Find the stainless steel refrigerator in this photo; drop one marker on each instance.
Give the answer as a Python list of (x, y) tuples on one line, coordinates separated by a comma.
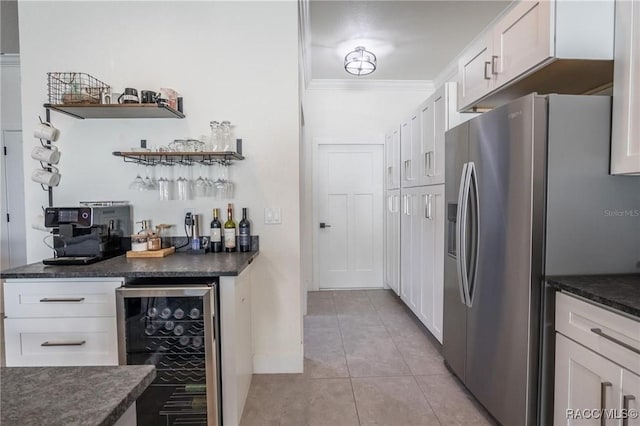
[(528, 194)]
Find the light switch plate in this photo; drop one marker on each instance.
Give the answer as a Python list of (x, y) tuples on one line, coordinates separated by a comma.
[(272, 216)]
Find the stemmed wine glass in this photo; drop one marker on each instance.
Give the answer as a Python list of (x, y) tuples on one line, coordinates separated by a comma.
[(138, 183)]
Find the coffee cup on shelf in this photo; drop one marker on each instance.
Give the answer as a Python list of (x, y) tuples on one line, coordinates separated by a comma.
[(46, 131), (49, 155), (129, 96), (46, 177)]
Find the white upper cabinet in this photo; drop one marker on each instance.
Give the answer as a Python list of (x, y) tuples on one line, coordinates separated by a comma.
[(538, 46), (427, 141), (475, 78), (392, 159), (625, 132), (409, 150), (521, 39)]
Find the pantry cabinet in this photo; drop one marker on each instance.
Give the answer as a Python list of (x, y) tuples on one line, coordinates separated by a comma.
[(422, 254), (625, 132), (61, 322), (597, 363), (543, 46), (392, 241)]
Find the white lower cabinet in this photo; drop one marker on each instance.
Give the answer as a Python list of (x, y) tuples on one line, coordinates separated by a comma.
[(422, 254), (585, 381), (61, 322), (392, 241), (591, 388)]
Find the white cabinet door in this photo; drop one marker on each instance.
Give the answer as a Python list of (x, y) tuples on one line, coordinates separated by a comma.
[(405, 153), (408, 240), (474, 71), (625, 137), (521, 39), (441, 104), (392, 159), (630, 397), (392, 247), (429, 259), (395, 152), (426, 156), (583, 381)]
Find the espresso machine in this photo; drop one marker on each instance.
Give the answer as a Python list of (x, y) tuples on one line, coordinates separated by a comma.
[(83, 235)]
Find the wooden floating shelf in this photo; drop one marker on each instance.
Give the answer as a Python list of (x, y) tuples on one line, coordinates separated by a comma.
[(83, 111), (171, 158)]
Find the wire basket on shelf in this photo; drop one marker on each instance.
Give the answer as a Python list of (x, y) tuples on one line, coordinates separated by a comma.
[(75, 88)]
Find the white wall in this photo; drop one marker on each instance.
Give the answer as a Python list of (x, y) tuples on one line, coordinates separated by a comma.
[(348, 112), (230, 60)]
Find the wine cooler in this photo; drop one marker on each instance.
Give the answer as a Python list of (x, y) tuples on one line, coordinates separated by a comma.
[(175, 327)]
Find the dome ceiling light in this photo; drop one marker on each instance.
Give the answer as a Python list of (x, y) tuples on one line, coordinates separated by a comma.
[(360, 62)]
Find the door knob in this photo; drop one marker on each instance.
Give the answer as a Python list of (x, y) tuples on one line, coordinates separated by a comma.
[(324, 225)]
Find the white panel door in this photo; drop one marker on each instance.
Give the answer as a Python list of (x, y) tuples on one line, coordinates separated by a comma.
[(406, 247), (584, 381), (350, 213)]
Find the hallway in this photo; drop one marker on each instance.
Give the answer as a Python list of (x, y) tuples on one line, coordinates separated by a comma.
[(368, 361)]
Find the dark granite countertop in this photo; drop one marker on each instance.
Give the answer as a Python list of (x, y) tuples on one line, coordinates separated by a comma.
[(76, 396), (175, 265), (621, 292)]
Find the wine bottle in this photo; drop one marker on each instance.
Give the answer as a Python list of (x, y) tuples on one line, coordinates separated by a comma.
[(244, 231), (216, 229), (229, 231)]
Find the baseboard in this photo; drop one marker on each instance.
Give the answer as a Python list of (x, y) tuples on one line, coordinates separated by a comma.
[(291, 362)]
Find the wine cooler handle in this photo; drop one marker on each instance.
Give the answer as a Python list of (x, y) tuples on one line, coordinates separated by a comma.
[(64, 343), (61, 299)]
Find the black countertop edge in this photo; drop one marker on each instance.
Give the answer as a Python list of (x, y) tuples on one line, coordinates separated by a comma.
[(175, 265), (88, 396), (617, 291)]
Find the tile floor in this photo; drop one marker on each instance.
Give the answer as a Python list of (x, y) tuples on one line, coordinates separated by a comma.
[(368, 361)]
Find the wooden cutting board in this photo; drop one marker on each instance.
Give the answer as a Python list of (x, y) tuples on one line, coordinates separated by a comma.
[(151, 253)]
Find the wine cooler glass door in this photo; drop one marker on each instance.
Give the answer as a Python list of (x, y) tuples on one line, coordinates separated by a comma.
[(174, 329)]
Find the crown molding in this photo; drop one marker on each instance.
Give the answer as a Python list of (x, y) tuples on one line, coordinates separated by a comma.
[(10, 59), (350, 84)]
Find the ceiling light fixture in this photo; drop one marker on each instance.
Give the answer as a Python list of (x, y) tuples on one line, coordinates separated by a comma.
[(360, 62)]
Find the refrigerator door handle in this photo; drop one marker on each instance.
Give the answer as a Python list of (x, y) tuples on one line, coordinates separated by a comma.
[(475, 226), (460, 232)]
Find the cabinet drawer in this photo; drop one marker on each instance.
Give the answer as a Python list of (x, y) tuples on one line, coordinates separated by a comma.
[(612, 335), (60, 298), (61, 341)]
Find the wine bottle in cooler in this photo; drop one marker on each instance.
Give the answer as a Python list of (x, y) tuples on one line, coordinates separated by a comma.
[(229, 231), (244, 232), (216, 232)]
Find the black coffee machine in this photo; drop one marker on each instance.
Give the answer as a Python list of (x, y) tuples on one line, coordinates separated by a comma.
[(83, 235)]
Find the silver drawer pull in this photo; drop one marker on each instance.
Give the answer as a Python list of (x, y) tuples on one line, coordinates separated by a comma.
[(62, 299), (614, 340), (625, 406), (64, 343)]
